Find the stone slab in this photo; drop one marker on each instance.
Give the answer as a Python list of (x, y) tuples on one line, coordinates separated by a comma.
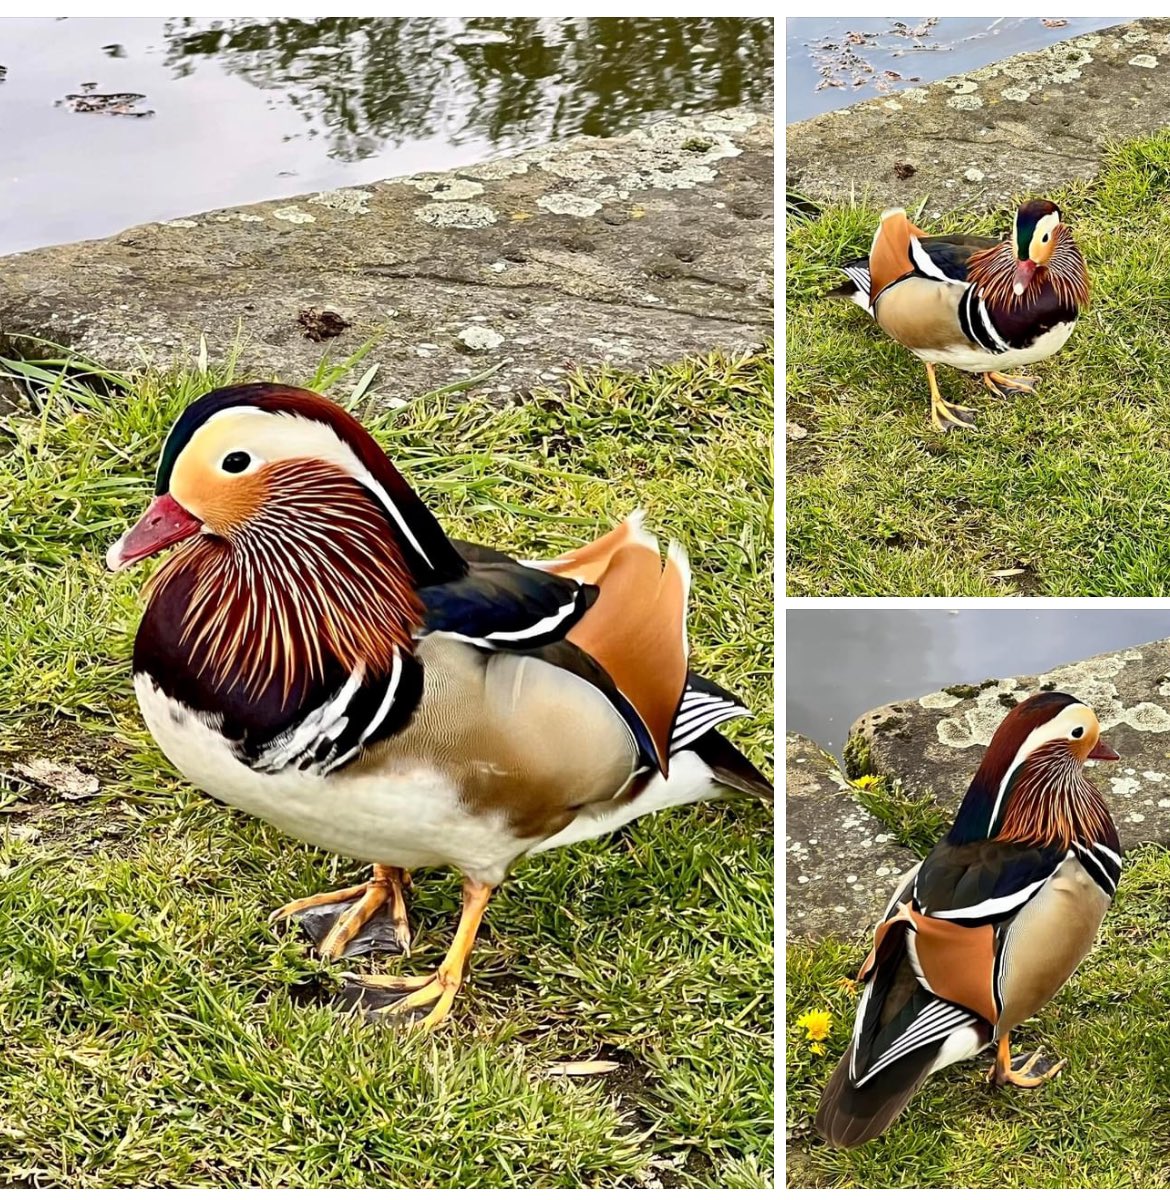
[(1022, 126), (630, 250), (934, 744), (842, 864)]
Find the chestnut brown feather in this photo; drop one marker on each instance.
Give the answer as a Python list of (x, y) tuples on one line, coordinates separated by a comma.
[(993, 271), (635, 630), (315, 574), (1052, 803)]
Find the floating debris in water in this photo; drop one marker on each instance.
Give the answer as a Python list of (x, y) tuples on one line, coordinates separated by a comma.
[(115, 50), (113, 104), (840, 65)]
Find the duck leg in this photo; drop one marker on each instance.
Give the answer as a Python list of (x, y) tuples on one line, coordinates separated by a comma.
[(1004, 1070), (944, 416), (436, 992), (386, 889), (1009, 385)]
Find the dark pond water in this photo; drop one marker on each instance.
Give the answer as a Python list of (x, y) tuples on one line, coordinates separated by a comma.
[(835, 61), (843, 662), (109, 122)]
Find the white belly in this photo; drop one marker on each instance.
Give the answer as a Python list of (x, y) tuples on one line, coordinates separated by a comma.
[(974, 358), (407, 815)]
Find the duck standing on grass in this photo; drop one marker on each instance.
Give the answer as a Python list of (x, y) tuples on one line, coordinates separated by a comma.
[(983, 933), (974, 303), (320, 654)]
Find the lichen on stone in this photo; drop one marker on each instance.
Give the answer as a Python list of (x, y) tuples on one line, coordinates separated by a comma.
[(293, 215), (446, 187), (455, 214), (568, 204), (348, 200)]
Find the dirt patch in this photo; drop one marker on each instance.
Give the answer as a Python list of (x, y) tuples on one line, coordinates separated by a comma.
[(40, 762)]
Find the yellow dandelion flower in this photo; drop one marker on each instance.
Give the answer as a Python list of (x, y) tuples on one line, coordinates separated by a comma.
[(817, 1048), (816, 1024), (847, 985), (866, 782)]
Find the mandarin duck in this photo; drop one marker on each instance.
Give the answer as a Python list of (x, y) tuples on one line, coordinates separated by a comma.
[(318, 653), (973, 303), (983, 933)]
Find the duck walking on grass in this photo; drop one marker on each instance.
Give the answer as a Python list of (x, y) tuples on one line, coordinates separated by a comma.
[(318, 653), (974, 303), (986, 930)]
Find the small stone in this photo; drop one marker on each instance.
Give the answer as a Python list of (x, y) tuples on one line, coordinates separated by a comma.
[(478, 338), (973, 174)]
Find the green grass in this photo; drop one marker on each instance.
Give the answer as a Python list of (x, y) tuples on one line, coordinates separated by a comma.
[(1068, 488), (156, 1031), (1104, 1122)]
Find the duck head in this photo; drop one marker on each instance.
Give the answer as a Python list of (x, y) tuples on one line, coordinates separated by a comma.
[(1030, 786), (298, 542), (1035, 232)]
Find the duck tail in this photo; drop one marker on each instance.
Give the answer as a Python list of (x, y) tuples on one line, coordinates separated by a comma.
[(848, 1116)]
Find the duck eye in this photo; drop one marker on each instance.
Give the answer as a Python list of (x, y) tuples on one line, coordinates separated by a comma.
[(1046, 237), (1079, 732), (236, 462)]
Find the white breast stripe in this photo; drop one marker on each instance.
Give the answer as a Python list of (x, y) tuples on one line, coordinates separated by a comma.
[(326, 721), (388, 699), (1110, 873), (991, 329)]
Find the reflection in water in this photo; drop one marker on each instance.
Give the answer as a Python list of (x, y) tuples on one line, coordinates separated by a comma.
[(843, 662), (362, 82)]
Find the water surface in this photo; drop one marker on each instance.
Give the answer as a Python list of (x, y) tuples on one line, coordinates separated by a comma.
[(241, 109), (843, 662), (835, 61)]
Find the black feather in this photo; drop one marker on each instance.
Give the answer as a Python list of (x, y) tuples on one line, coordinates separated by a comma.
[(731, 767), (497, 600)]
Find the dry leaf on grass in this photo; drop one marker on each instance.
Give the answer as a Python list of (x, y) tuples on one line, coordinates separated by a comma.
[(63, 778)]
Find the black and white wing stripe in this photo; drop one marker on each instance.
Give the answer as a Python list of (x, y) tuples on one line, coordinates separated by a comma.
[(704, 705), (858, 273), (937, 1020)]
